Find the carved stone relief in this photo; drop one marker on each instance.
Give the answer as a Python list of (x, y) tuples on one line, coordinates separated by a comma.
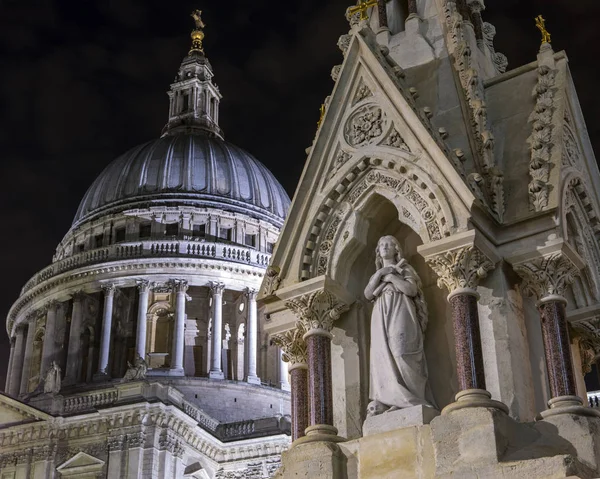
[(365, 126), (541, 139), (460, 268)]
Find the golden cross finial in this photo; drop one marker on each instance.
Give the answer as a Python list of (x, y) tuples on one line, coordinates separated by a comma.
[(197, 35), (322, 111), (362, 7), (540, 22)]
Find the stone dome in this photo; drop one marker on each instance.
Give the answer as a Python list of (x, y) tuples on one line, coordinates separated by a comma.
[(187, 169)]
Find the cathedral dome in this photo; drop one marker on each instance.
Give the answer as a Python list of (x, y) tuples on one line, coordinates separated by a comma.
[(190, 169)]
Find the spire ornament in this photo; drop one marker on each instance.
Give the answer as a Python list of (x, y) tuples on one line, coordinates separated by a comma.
[(540, 23), (362, 7), (198, 33)]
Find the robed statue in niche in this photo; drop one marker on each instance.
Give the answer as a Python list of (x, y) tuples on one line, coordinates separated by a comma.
[(398, 368)]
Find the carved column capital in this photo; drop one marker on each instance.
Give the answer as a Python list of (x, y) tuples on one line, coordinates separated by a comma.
[(78, 295), (460, 261), (293, 346), (216, 287), (109, 289), (179, 285), (460, 268), (143, 285), (250, 294), (547, 276), (317, 311)]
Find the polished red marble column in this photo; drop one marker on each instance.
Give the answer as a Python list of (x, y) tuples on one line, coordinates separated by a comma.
[(467, 338), (299, 387), (319, 380), (557, 347), (412, 7)]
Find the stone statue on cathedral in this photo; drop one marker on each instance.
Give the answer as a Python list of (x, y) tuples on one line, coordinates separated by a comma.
[(398, 375), (52, 382), (137, 370)]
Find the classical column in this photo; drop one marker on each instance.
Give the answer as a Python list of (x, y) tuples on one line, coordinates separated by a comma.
[(9, 370), (547, 277), (140, 341), (109, 296), (48, 348), (23, 389), (217, 289), (460, 264), (294, 353), (317, 312), (74, 352), (412, 7), (180, 287), (283, 372), (252, 336), (17, 362)]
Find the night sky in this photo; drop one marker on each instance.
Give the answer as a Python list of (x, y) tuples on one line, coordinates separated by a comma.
[(83, 81)]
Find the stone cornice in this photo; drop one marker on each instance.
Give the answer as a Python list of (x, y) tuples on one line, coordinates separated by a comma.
[(126, 268), (548, 271), (460, 261)]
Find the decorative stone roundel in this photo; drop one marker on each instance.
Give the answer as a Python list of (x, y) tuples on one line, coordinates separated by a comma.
[(365, 126)]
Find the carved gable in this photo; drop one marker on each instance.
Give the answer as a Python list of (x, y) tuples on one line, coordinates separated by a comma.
[(373, 140), (13, 412), (81, 465)]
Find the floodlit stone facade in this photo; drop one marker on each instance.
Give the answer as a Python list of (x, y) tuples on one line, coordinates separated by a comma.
[(141, 350), (487, 180)]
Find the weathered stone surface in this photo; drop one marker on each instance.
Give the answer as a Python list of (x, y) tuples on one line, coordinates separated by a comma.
[(402, 418), (314, 460)]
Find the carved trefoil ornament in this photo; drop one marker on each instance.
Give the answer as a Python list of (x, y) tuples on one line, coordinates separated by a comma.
[(362, 92), (395, 140), (317, 310), (365, 126)]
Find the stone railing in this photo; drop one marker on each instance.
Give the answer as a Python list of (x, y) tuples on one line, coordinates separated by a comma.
[(150, 249), (252, 428), (89, 400), (204, 420), (594, 399)]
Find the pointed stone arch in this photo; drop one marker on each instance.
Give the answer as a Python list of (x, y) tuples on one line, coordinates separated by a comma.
[(422, 204), (580, 224)]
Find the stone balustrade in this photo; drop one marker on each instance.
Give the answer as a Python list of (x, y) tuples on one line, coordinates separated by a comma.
[(149, 249), (89, 400)]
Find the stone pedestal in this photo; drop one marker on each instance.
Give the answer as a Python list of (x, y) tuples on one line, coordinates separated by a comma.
[(315, 460), (580, 435), (402, 418)]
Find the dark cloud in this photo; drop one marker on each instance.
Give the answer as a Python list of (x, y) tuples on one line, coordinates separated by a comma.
[(82, 82)]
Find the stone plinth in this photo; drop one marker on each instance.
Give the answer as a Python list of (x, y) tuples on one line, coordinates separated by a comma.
[(402, 418), (314, 460), (404, 453), (578, 435)]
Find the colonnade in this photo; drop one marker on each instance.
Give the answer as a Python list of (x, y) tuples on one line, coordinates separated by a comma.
[(460, 263), (22, 343)]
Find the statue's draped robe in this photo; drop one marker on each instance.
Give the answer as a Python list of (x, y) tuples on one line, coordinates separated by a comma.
[(398, 367)]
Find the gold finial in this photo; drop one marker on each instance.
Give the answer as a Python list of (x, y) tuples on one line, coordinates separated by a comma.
[(362, 7), (540, 22), (197, 34), (322, 111)]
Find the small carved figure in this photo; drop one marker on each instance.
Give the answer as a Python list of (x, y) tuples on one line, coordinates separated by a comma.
[(399, 377), (52, 382), (197, 16), (137, 370)]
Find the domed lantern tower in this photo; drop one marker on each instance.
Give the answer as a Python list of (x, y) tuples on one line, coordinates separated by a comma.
[(149, 305)]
